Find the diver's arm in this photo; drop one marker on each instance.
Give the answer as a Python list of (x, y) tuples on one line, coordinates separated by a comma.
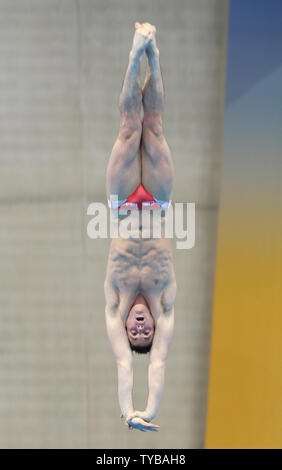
[(122, 352), (158, 356)]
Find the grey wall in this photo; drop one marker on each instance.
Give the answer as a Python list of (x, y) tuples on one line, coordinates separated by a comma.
[(62, 64)]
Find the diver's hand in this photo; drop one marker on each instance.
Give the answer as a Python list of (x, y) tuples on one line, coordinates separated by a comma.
[(140, 420), (135, 422), (142, 425), (140, 414), (126, 423)]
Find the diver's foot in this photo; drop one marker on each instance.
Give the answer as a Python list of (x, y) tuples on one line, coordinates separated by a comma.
[(145, 26), (152, 48), (142, 38)]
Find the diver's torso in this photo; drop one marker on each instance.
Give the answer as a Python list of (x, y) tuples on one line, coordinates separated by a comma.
[(141, 266), (141, 263)]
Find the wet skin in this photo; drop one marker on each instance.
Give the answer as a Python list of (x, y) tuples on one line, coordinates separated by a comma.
[(140, 271)]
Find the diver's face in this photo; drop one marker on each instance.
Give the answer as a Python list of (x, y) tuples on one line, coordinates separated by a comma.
[(140, 326)]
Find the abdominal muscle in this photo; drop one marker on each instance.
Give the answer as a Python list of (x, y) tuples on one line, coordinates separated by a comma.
[(140, 266)]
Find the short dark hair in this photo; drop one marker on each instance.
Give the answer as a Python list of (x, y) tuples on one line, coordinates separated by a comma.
[(141, 349)]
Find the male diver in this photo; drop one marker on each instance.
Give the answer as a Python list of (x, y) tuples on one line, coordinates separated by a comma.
[(140, 284)]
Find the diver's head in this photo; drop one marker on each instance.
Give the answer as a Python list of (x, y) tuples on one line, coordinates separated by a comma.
[(140, 328)]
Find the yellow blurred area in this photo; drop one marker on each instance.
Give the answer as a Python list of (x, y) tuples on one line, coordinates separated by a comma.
[(245, 388)]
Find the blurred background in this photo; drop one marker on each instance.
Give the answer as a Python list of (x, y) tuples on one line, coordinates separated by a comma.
[(62, 66), (245, 388)]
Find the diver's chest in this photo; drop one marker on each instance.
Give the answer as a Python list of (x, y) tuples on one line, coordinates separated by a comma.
[(143, 280)]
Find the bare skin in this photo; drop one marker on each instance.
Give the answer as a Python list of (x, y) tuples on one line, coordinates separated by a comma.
[(140, 283)]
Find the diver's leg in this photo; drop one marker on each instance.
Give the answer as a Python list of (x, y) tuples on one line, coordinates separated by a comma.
[(124, 167), (157, 163)]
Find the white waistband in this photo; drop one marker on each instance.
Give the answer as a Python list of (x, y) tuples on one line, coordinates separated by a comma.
[(117, 204)]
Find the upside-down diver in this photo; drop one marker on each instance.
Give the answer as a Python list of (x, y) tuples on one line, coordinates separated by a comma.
[(140, 284)]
